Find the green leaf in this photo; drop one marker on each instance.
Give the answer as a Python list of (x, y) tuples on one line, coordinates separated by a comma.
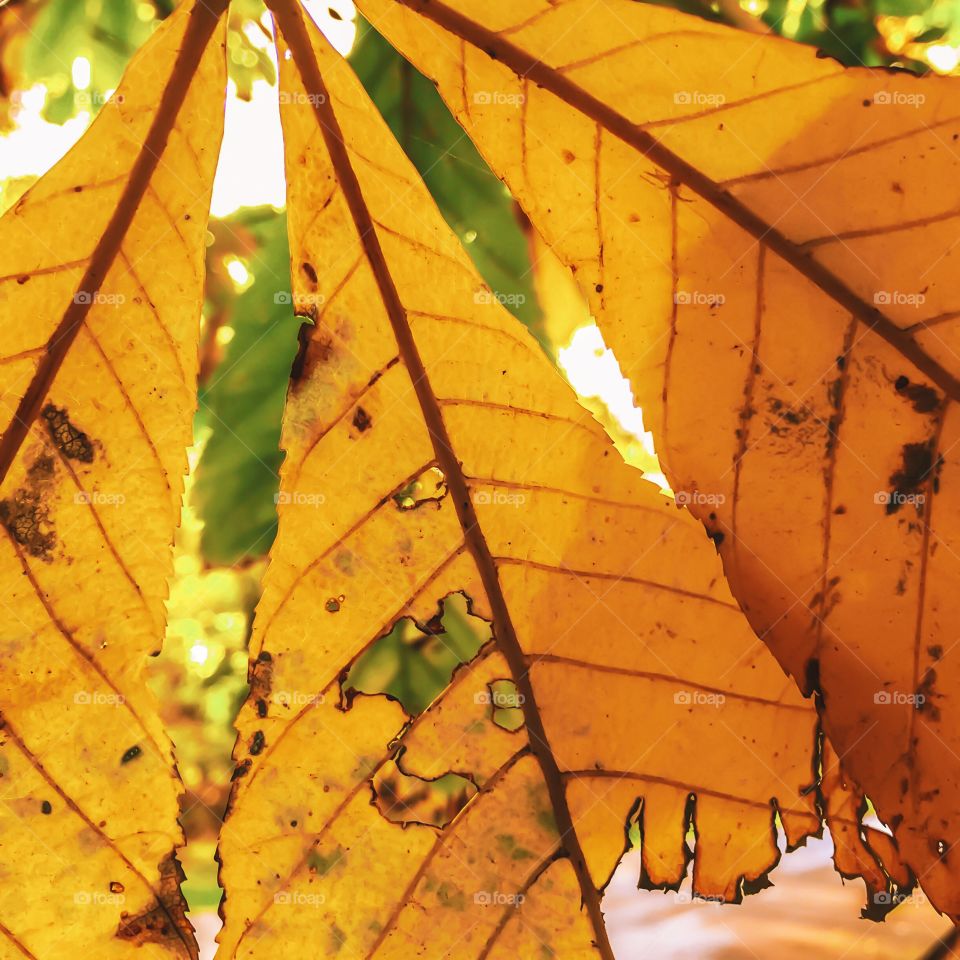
[(242, 403), (473, 201)]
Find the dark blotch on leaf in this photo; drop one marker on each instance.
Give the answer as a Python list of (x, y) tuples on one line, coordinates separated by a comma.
[(258, 743), (46, 808), (26, 516), (362, 419), (917, 462), (71, 442), (924, 398), (131, 754)]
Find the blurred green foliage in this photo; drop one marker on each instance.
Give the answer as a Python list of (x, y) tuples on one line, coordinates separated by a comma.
[(63, 30), (243, 389), (107, 33), (471, 198)]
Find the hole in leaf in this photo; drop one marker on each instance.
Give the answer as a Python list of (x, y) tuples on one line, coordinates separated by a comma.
[(404, 798), (431, 485), (507, 704), (414, 663)]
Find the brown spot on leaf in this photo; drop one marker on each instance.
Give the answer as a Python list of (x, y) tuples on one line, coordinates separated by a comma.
[(165, 922), (26, 515), (70, 441), (917, 462), (131, 754), (362, 420), (924, 398), (309, 271), (260, 678), (926, 693)]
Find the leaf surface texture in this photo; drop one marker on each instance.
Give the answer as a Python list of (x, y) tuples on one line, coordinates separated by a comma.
[(639, 683), (768, 241), (101, 281)]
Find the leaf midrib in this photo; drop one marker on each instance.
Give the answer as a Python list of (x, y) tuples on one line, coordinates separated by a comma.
[(289, 19), (527, 67), (204, 18)]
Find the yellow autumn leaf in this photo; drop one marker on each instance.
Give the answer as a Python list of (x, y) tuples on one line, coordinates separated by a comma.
[(101, 278), (433, 453), (768, 242)]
